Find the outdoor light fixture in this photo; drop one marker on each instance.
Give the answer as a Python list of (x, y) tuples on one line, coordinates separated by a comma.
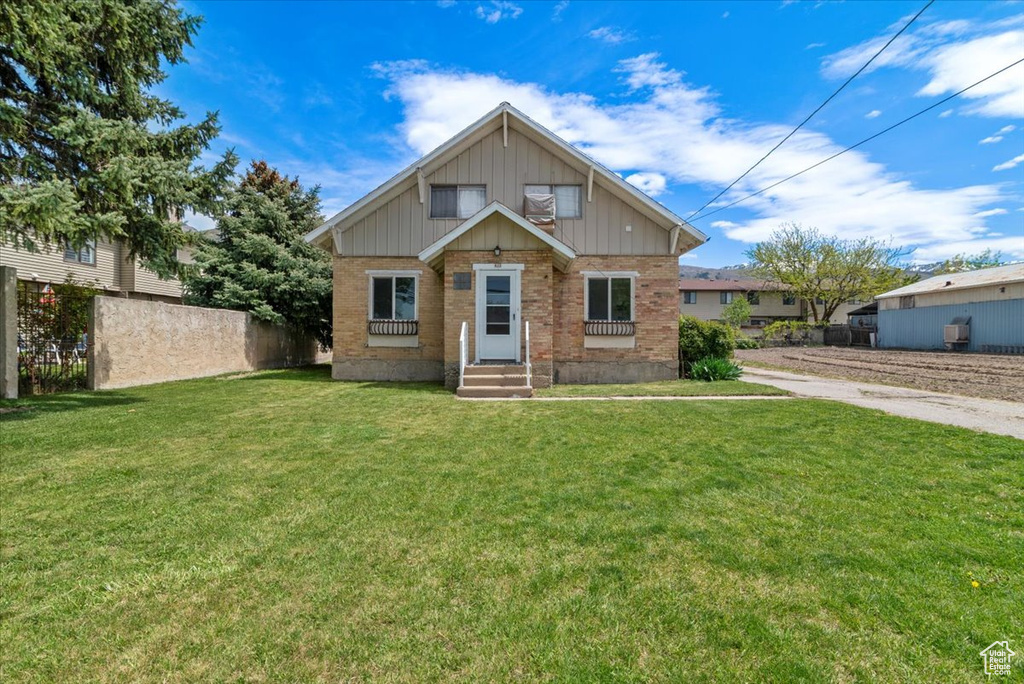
[(497, 251)]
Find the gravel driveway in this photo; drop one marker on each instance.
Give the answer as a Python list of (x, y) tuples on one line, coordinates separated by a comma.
[(987, 376)]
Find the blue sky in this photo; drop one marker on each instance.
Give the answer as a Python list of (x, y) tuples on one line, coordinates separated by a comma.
[(679, 98)]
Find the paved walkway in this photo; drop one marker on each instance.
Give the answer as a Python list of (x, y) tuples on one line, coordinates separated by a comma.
[(744, 397), (985, 415)]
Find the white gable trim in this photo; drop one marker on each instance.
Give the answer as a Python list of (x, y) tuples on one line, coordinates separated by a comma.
[(435, 250), (505, 109)]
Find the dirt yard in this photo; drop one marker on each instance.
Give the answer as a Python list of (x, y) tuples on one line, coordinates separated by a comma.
[(975, 375)]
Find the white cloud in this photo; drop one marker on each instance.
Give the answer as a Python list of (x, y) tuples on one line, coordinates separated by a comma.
[(814, 46), (1006, 129), (999, 211), (611, 35), (498, 10), (200, 222), (651, 183), (556, 13), (873, 114), (445, 4), (946, 114), (1009, 246), (673, 132), (955, 54), (990, 140), (1007, 165)]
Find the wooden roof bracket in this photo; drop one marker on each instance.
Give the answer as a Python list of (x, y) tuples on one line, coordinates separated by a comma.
[(590, 184), (673, 239), (421, 184), (504, 127)]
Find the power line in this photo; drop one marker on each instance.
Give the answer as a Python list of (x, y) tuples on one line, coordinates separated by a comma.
[(865, 140), (811, 115)]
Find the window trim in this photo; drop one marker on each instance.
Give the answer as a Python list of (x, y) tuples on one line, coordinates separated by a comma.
[(458, 187), (725, 297), (551, 190), (415, 275), (598, 275), (91, 243), (687, 297)]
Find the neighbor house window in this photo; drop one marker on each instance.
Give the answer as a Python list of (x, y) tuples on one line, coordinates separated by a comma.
[(690, 297), (789, 300), (907, 302), (568, 198), (609, 298), (754, 298), (393, 297), (725, 297), (456, 201), (86, 254)]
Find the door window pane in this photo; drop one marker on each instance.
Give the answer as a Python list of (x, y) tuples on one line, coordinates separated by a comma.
[(471, 200), (597, 299), (405, 299), (499, 290), (621, 299), (444, 201), (498, 320), (382, 298), (567, 201)]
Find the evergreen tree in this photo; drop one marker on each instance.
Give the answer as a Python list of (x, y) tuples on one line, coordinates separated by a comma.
[(86, 149), (259, 261)]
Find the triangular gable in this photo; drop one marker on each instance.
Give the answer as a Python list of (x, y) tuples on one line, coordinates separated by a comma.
[(491, 121), (434, 254)]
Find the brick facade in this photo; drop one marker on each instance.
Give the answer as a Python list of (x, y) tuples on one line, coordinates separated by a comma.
[(552, 302)]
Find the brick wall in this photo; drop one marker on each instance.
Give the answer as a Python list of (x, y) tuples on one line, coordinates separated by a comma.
[(353, 359)]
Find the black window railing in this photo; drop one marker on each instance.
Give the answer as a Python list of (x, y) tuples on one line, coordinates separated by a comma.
[(392, 327), (618, 328)]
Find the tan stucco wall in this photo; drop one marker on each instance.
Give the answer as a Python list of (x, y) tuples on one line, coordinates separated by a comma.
[(135, 342)]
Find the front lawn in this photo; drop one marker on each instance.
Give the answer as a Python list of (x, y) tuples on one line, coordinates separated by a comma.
[(667, 388), (283, 527)]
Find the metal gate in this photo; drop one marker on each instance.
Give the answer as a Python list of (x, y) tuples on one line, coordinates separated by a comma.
[(52, 337)]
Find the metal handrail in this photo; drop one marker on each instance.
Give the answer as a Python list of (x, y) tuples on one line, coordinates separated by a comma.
[(463, 351), (529, 366)]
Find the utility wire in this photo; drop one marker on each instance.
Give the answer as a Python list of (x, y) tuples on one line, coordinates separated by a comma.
[(811, 115), (865, 140)]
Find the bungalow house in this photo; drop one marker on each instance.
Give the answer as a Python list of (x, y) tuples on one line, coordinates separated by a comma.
[(504, 260)]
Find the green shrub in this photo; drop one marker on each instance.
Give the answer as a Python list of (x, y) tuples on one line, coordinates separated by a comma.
[(711, 369), (699, 339), (780, 330), (747, 343)]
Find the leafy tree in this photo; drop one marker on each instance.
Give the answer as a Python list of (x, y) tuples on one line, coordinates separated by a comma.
[(260, 262), (737, 312), (86, 149), (970, 262), (826, 271)]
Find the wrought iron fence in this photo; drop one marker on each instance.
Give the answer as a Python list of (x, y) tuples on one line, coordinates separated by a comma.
[(620, 328), (52, 337)]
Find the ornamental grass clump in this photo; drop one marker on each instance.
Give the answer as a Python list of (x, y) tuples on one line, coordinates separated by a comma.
[(711, 369)]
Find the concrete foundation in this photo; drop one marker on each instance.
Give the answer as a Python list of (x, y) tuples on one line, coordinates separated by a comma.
[(605, 372), (397, 370)]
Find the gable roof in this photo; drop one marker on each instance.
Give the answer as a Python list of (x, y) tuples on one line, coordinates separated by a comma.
[(562, 251), (507, 113), (998, 275)]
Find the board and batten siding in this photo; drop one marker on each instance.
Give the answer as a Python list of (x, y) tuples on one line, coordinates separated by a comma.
[(48, 265), (401, 227)]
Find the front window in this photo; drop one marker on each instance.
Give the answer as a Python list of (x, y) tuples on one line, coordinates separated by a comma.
[(789, 300), (393, 298), (609, 299), (690, 297), (456, 201), (754, 298), (86, 254), (568, 198), (725, 298)]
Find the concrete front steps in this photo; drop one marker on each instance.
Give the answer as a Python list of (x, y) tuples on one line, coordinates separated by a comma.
[(495, 382)]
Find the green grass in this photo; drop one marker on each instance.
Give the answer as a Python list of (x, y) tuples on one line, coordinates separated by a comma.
[(282, 527), (668, 388)]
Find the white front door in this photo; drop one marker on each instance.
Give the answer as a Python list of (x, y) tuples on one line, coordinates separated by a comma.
[(497, 312)]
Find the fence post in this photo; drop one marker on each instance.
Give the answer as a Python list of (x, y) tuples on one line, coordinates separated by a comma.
[(8, 332)]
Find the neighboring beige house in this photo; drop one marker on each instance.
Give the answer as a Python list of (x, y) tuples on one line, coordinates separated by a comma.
[(508, 251), (769, 302), (100, 264), (705, 300)]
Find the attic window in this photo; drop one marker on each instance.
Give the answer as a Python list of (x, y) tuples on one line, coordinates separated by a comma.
[(456, 201), (568, 198)]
